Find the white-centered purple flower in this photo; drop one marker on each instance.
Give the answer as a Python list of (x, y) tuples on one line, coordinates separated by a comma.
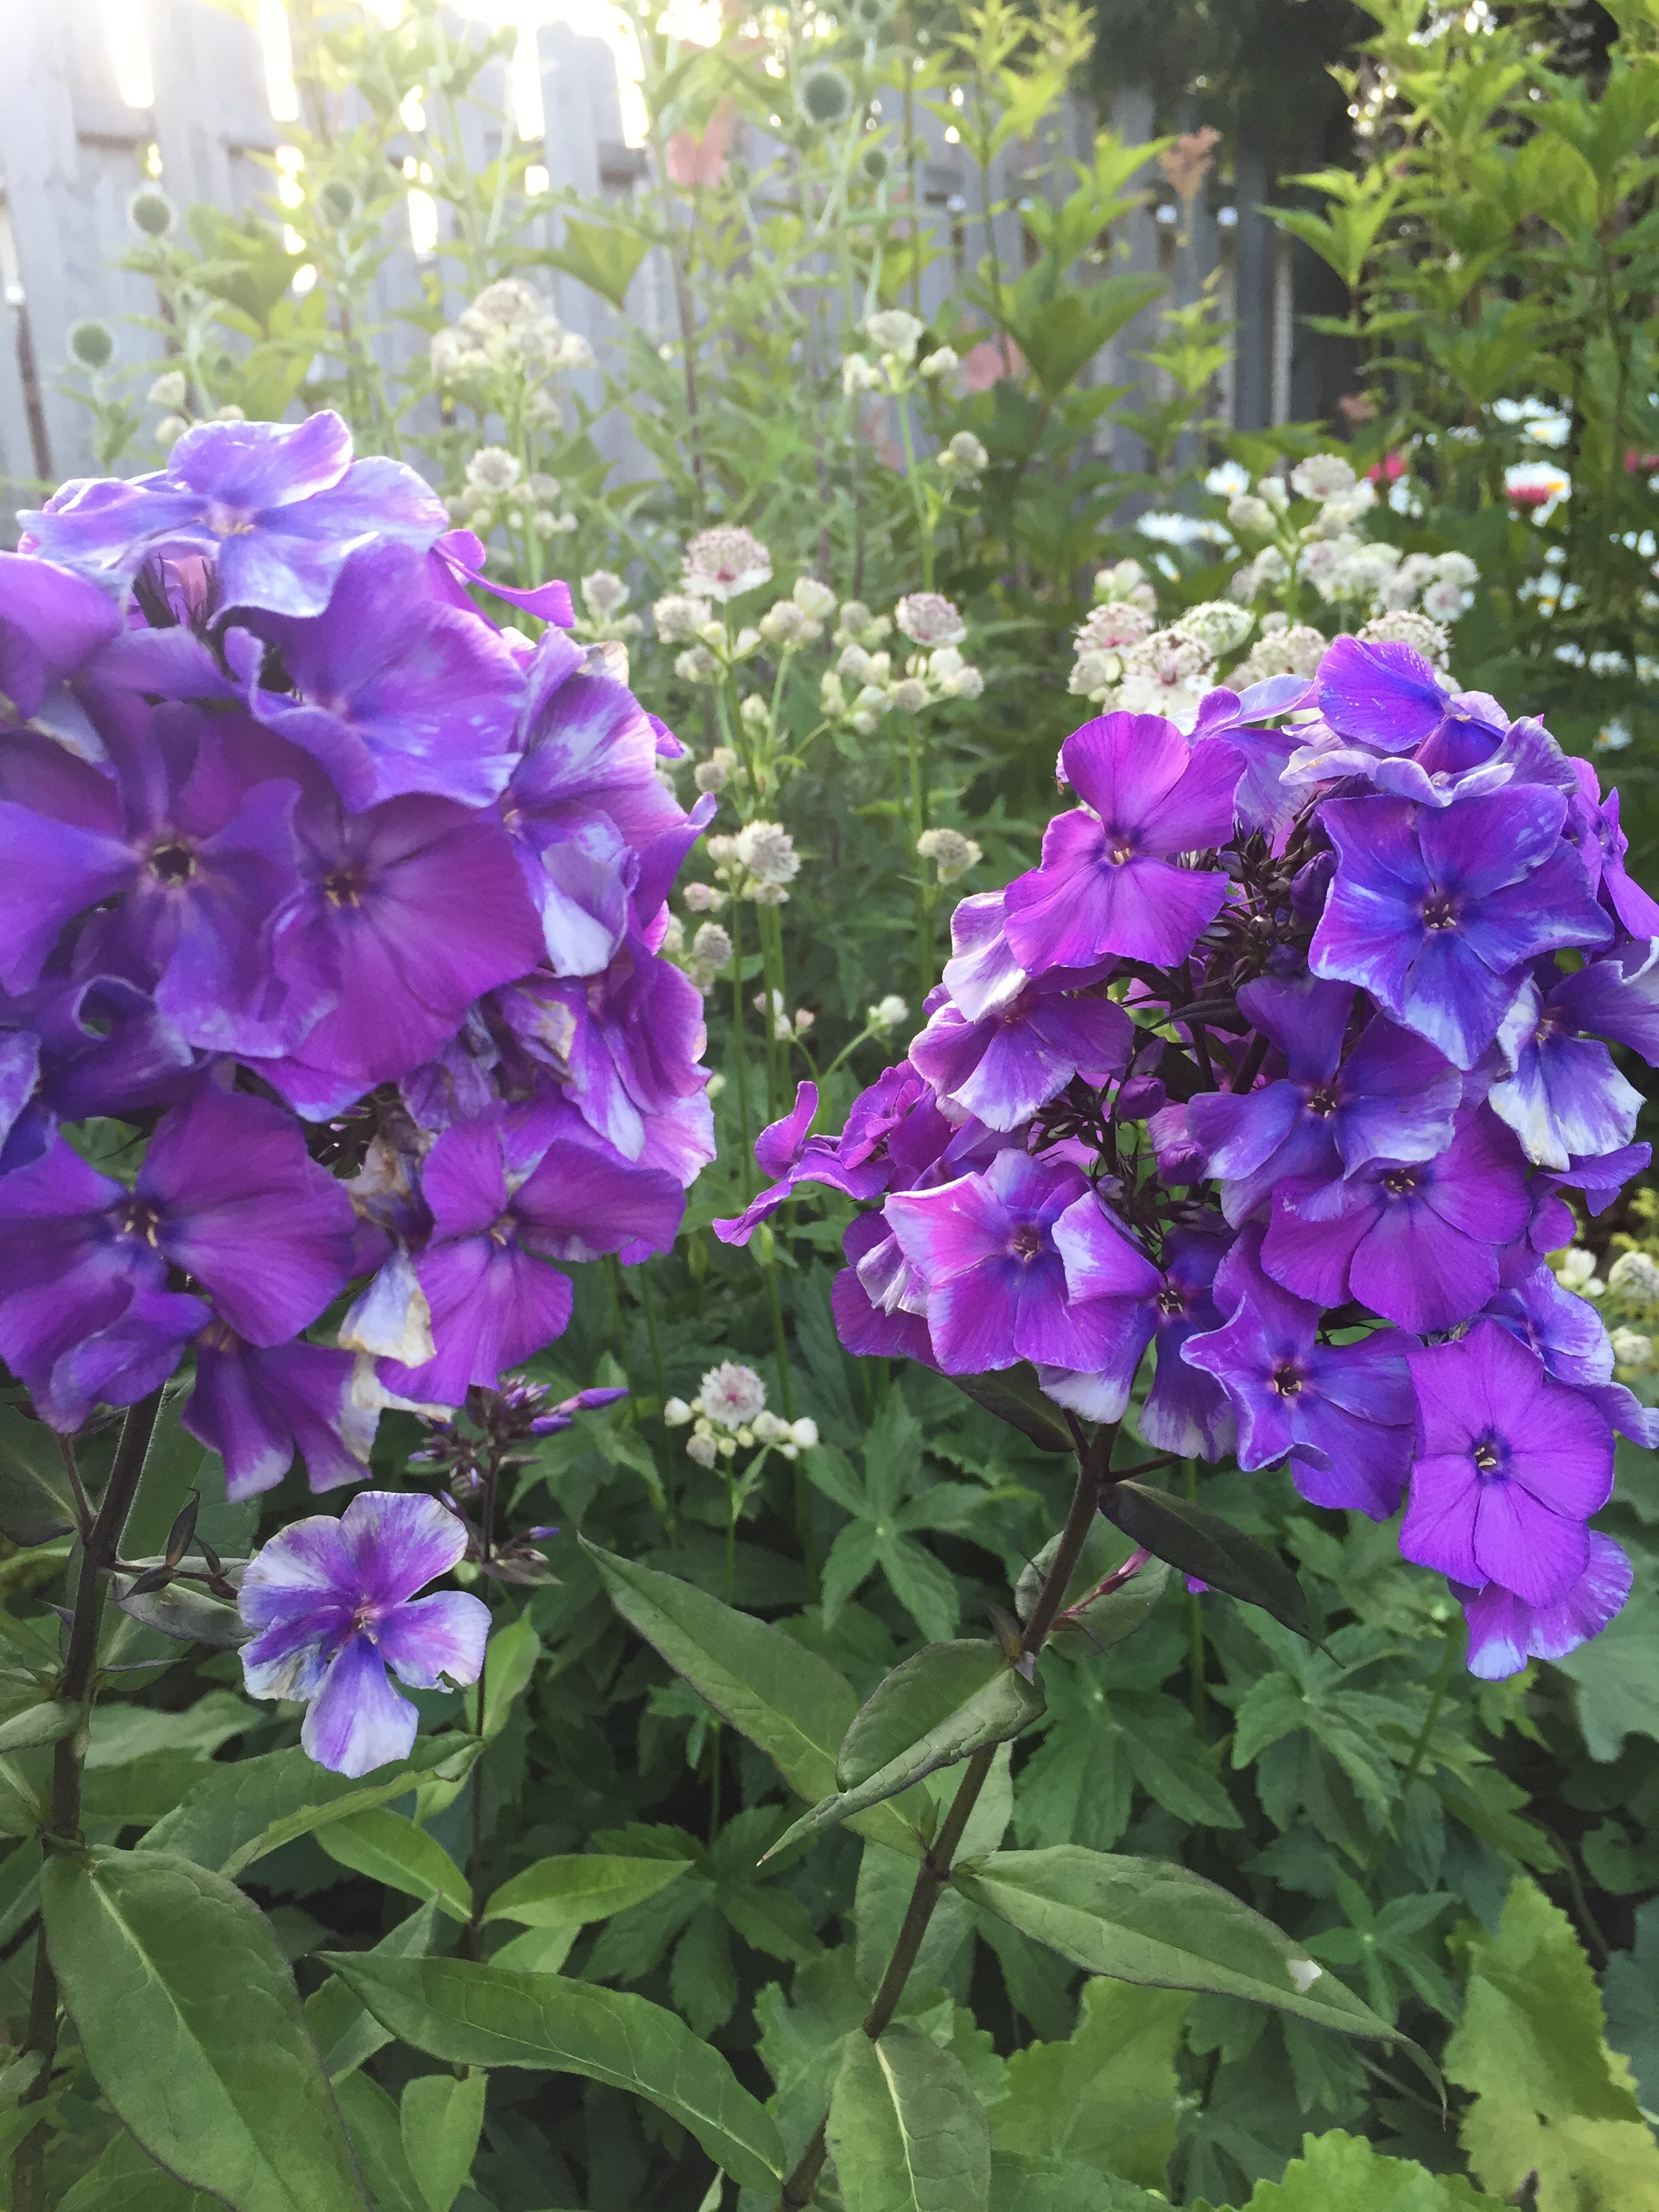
[(333, 1606)]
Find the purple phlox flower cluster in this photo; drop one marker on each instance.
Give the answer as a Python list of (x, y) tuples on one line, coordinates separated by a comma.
[(1280, 1067), (335, 908)]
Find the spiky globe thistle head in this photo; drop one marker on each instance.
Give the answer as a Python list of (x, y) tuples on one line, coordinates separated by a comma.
[(92, 343), (151, 212), (874, 164), (867, 15), (826, 96)]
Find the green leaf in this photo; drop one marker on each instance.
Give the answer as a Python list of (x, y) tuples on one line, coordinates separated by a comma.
[(1339, 2172), (602, 259), (371, 2119), (35, 1504), (126, 2181), (1147, 1921), (187, 2016), (442, 2117), (796, 1706), (1614, 1675), (906, 2130), (1550, 2096), (1014, 1396), (509, 1663), (568, 1892), (1202, 1543), (482, 2015), (388, 1848), (1106, 2097), (345, 2034), (241, 1812), (47, 1723), (1021, 2184), (944, 1703), (178, 1610)]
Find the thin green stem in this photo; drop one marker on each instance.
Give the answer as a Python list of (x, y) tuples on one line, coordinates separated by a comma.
[(1196, 1629), (745, 1158), (1437, 1689)]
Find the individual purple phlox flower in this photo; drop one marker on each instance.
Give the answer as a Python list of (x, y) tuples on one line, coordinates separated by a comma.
[(983, 1248), (1106, 885), (1594, 828), (1563, 1096), (1433, 913), (258, 1405), (1388, 697), (74, 1049), (188, 857), (1124, 1301), (332, 1607), (1505, 1632), (1021, 1046), (788, 1156), (1344, 1414), (279, 507), (865, 1329), (1616, 997), (52, 623), (1509, 1467), (507, 1198), (1262, 802), (389, 689), (1416, 1241), (407, 913), (1393, 1097)]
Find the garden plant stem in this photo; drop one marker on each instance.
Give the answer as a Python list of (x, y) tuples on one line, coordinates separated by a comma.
[(1093, 1460), (101, 1548)]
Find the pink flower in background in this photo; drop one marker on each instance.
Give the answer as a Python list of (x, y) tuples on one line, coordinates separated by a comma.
[(1190, 161), (990, 359), (694, 158)]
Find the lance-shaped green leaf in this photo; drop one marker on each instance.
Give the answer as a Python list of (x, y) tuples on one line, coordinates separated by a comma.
[(47, 1723), (1145, 1920), (188, 2019), (794, 1705), (947, 1702), (177, 1609), (1015, 1396), (241, 1812), (568, 1892), (602, 259), (35, 1501), (442, 2116), (389, 1849), (126, 2181), (1202, 1543), (485, 2015), (906, 2130)]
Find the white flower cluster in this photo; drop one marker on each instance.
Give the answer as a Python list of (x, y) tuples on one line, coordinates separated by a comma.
[(1633, 1281), (497, 490), (786, 1027), (1331, 551), (939, 672), (509, 338), (895, 333), (605, 597), (1123, 662), (729, 1411), (757, 863)]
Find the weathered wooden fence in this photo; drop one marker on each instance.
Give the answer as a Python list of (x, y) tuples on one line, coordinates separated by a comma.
[(96, 96)]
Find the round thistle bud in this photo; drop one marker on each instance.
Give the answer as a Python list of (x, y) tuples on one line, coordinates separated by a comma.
[(150, 212), (826, 97), (874, 164), (91, 344)]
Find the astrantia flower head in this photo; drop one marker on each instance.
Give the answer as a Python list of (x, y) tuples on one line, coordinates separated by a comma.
[(767, 851), (332, 1605), (1322, 476), (731, 1394), (492, 470), (895, 330), (927, 618), (723, 564)]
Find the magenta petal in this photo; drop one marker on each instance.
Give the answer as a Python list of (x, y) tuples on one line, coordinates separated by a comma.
[(357, 1721)]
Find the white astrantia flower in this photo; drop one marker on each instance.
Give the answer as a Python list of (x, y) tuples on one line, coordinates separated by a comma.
[(964, 456), (602, 594), (509, 299), (857, 375), (1218, 625), (702, 1448), (1251, 514), (940, 362), (1289, 649), (170, 390), (957, 679), (1126, 580), (1322, 476), (1575, 1270), (715, 772), (1443, 602), (731, 1394), (895, 330), (804, 1433), (699, 666), (1166, 674), (908, 695), (725, 562), (929, 618), (952, 853), (814, 597), (1419, 631), (680, 619), (1456, 568), (787, 622), (1111, 626), (1633, 1275), (493, 470), (701, 898), (887, 1013), (676, 1412), (767, 851), (711, 948), (1632, 1350)]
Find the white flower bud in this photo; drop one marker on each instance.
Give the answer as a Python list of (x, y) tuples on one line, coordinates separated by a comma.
[(675, 1414)]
